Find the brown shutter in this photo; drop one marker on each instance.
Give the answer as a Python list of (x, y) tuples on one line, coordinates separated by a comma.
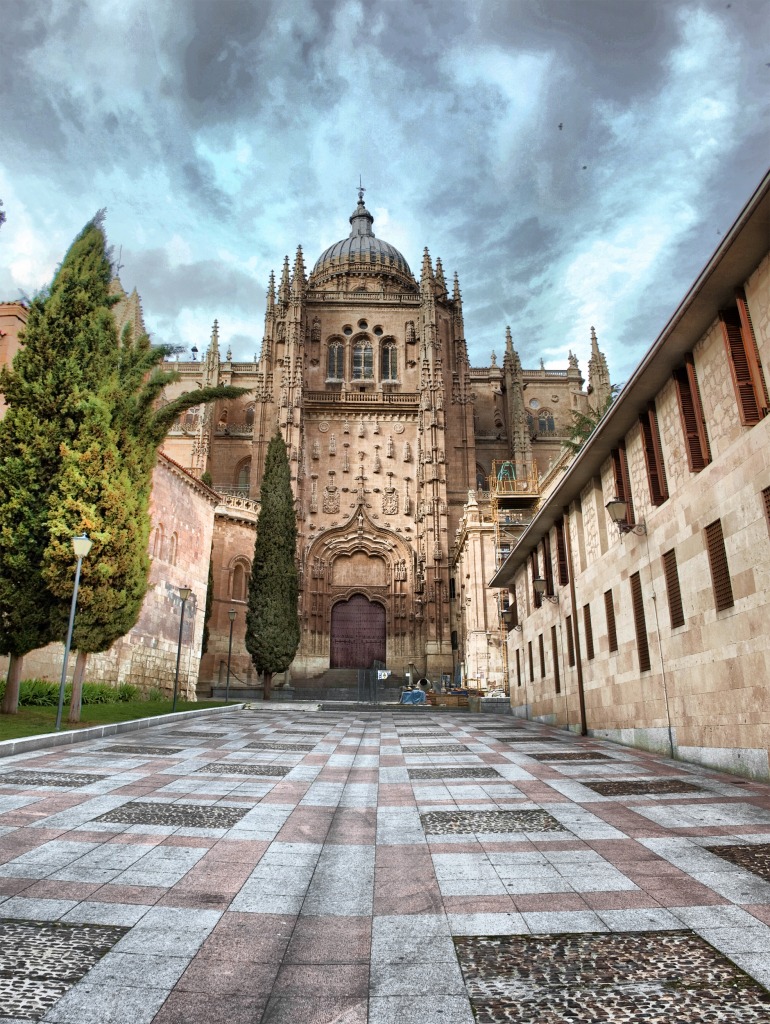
[(740, 368), (541, 647), (640, 623), (561, 553), (518, 667), (720, 571), (691, 414), (653, 455), (673, 590), (766, 502), (531, 662), (570, 642), (609, 609), (589, 632), (547, 565), (623, 481), (752, 352), (554, 648), (537, 598)]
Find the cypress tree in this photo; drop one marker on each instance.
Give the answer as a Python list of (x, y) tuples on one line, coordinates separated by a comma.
[(83, 464), (272, 619), (67, 344)]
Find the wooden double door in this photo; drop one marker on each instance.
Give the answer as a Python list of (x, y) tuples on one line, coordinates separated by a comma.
[(357, 633)]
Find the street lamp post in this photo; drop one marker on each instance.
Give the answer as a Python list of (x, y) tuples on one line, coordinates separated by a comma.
[(184, 593), (232, 614), (81, 546)]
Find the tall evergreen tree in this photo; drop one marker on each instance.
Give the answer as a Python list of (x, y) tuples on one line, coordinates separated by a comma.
[(68, 343), (89, 468), (272, 619)]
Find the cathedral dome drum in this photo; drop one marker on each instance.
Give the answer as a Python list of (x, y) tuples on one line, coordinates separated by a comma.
[(362, 254)]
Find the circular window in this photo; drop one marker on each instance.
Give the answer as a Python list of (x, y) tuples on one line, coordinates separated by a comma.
[(363, 324), (347, 329), (534, 403), (378, 331)]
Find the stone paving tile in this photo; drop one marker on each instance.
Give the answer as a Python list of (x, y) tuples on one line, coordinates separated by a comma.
[(220, 768), (459, 822), (39, 779), (137, 750), (453, 773), (156, 813), (752, 857)]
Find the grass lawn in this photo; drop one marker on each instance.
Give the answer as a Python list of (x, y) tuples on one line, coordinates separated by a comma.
[(34, 721)]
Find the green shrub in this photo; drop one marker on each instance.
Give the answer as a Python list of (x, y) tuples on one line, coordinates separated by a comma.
[(99, 693), (127, 692), (39, 693), (154, 695)]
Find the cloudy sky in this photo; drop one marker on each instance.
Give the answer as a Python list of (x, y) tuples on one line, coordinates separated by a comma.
[(575, 161)]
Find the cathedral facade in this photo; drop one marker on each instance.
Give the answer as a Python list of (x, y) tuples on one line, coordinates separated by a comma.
[(390, 433)]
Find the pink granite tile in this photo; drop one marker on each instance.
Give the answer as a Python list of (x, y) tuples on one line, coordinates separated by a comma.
[(109, 893), (306, 825), (50, 889), (254, 938), (199, 1008), (300, 980), (549, 901), (760, 911), (330, 940), (619, 900), (237, 851), (479, 905)]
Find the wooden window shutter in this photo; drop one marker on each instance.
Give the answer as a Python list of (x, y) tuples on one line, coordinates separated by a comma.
[(554, 648), (518, 667), (531, 662), (589, 632), (640, 623), (547, 565), (541, 649), (720, 571), (742, 368), (766, 502), (752, 352), (623, 481), (691, 415), (653, 455), (673, 590), (561, 554), (537, 598), (609, 608), (570, 642)]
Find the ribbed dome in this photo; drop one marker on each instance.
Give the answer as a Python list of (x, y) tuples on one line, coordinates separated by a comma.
[(361, 252)]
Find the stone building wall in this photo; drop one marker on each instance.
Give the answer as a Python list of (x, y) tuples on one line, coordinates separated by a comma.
[(704, 695)]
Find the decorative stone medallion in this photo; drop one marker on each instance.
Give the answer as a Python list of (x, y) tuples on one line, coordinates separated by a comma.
[(323, 426)]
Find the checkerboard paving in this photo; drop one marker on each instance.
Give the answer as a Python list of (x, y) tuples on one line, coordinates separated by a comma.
[(292, 864)]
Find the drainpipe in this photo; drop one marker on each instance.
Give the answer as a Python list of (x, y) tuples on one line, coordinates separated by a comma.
[(575, 630)]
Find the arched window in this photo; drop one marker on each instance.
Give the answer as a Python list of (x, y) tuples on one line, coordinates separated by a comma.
[(336, 366), (545, 422), (243, 475), (389, 360), (172, 548), (363, 363), (481, 478), (191, 418), (250, 416), (157, 542), (223, 418), (239, 583)]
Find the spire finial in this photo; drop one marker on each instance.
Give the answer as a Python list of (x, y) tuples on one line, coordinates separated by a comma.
[(361, 190)]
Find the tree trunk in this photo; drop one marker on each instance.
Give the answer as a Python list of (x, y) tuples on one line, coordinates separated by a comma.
[(77, 687), (267, 685), (10, 703)]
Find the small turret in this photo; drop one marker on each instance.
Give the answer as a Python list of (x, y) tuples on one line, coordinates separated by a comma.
[(285, 289), (427, 280), (441, 290), (599, 385), (298, 280), (456, 293), (271, 292)]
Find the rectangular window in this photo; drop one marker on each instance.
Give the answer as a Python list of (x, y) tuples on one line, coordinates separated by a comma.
[(541, 647), (589, 631), (766, 503), (691, 415), (640, 623), (743, 357), (609, 608), (452, 586), (547, 565), (556, 676), (570, 642), (561, 553), (673, 590), (653, 455), (623, 482), (518, 667), (720, 571), (531, 662)]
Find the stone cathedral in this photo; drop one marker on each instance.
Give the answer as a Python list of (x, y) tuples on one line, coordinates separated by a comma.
[(396, 444)]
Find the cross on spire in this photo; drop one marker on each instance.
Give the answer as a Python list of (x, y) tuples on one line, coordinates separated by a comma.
[(361, 190)]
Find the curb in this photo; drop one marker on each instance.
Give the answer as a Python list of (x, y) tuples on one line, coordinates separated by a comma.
[(62, 739)]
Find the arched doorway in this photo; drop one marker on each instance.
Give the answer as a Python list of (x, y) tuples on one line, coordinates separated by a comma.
[(357, 634)]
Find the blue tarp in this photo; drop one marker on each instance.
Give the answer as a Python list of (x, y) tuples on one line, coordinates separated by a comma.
[(413, 697)]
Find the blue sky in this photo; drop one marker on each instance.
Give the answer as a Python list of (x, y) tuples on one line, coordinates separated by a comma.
[(575, 162)]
